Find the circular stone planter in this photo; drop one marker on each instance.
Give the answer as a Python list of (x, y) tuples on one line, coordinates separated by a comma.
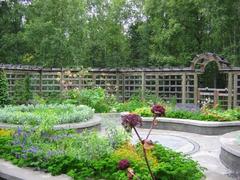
[(230, 151), (94, 123), (193, 126)]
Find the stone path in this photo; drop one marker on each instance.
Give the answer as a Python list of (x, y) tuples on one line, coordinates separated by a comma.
[(204, 149)]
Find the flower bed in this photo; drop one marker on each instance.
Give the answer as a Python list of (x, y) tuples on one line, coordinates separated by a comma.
[(89, 155), (205, 115), (34, 115)]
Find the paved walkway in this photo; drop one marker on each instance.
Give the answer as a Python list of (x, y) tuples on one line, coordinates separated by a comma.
[(204, 149)]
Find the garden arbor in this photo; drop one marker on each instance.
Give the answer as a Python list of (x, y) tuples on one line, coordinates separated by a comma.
[(209, 75)]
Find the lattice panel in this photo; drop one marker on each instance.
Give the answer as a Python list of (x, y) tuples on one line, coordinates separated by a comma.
[(170, 87), (189, 88)]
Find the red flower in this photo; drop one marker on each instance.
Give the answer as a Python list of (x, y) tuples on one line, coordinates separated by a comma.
[(123, 164), (131, 120), (158, 110)]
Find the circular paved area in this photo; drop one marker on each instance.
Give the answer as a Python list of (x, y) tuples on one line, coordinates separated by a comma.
[(174, 142), (202, 148)]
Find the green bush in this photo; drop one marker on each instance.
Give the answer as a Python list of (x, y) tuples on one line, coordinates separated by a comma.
[(4, 98), (208, 115), (144, 112), (131, 105), (96, 98), (22, 93), (36, 114)]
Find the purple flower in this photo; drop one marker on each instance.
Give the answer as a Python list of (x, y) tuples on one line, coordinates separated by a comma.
[(158, 110), (33, 150), (131, 120), (19, 131), (123, 164)]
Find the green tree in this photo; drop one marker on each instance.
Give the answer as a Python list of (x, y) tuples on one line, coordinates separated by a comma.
[(4, 97)]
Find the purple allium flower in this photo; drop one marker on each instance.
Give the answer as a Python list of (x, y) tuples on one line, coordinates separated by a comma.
[(131, 120), (123, 164), (158, 110)]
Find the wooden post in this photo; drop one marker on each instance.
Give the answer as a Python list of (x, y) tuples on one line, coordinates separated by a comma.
[(117, 85), (143, 85), (230, 81), (157, 84), (235, 85), (184, 88), (123, 87), (40, 82), (215, 98), (195, 88), (61, 80), (94, 81)]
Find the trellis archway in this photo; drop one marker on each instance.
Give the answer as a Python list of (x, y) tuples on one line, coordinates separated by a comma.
[(214, 78), (200, 62)]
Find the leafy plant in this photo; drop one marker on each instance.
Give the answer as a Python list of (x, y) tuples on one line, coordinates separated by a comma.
[(4, 97), (29, 114), (22, 93), (96, 98)]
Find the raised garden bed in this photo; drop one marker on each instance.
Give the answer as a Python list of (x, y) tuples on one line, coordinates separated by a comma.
[(94, 123), (193, 126), (230, 151)]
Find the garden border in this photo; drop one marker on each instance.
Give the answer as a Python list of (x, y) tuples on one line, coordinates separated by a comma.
[(230, 151), (93, 123), (193, 126), (13, 172)]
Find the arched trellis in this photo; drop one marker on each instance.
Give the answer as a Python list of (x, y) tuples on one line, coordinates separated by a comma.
[(200, 62)]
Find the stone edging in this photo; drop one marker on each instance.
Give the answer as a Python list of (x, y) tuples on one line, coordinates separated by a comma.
[(95, 122), (12, 172), (193, 126), (230, 151)]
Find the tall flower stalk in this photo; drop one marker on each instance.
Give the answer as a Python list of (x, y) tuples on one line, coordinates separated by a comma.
[(130, 121)]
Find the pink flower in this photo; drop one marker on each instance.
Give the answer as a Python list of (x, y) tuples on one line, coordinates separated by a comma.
[(158, 110), (131, 120), (123, 164)]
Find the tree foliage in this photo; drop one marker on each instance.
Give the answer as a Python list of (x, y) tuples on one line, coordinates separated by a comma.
[(4, 98), (117, 33)]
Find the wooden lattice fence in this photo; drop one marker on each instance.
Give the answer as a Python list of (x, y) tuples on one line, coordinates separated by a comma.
[(167, 83)]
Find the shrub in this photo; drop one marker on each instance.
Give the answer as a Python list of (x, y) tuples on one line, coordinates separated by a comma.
[(131, 105), (96, 98), (36, 114), (4, 98), (144, 112), (22, 93)]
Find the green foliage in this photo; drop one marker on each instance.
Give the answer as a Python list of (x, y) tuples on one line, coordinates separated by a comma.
[(207, 115), (175, 166), (117, 33), (131, 105), (4, 98), (89, 155), (22, 92), (96, 98), (42, 113), (144, 112)]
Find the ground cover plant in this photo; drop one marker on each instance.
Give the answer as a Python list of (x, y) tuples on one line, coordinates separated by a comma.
[(203, 115), (91, 155), (30, 114)]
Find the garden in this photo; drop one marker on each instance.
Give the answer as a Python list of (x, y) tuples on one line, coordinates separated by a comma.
[(120, 89), (35, 143)]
